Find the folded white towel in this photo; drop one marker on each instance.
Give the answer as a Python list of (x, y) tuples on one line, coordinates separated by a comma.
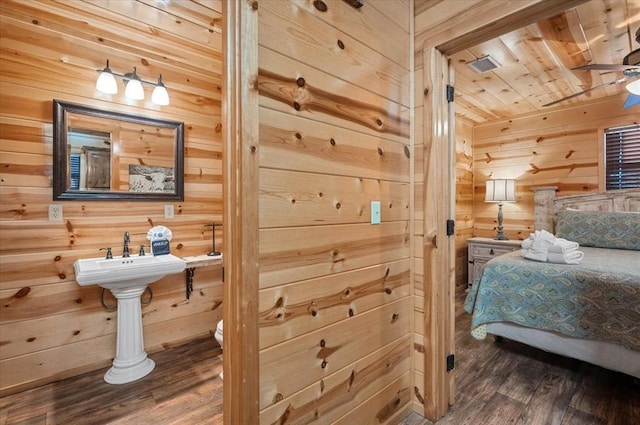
[(543, 239), (535, 254), (544, 246), (562, 245), (572, 257), (536, 247)]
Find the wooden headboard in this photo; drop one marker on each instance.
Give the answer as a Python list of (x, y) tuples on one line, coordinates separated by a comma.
[(547, 205)]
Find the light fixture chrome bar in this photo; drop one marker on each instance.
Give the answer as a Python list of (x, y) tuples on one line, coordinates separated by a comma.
[(127, 77)]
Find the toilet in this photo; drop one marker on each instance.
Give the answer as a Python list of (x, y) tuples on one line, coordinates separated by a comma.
[(218, 336)]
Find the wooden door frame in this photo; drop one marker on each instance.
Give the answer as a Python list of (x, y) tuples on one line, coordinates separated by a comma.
[(480, 22), (240, 194)]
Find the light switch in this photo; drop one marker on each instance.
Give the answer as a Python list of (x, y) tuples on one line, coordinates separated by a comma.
[(168, 211), (375, 212)]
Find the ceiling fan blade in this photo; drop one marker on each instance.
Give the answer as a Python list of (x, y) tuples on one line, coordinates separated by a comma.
[(632, 100), (610, 83), (605, 67)]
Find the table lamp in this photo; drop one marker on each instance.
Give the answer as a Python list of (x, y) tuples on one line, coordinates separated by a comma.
[(500, 191)]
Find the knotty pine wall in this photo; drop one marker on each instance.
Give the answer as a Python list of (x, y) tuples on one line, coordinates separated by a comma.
[(560, 148), (50, 327), (335, 291), (464, 197), (417, 248)]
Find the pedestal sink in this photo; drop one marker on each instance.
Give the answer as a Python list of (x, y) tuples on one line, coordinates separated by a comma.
[(127, 278)]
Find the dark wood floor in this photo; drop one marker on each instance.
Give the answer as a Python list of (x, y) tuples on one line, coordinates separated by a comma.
[(184, 389), (506, 383), (511, 383)]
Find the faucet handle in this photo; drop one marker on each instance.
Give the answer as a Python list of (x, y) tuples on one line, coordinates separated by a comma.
[(141, 253), (109, 255)]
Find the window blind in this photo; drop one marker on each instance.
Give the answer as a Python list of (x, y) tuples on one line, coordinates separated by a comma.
[(74, 171), (622, 157)]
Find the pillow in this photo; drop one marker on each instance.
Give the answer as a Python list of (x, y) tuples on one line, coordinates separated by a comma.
[(599, 228)]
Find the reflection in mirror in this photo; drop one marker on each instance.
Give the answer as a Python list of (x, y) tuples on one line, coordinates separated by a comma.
[(110, 155), (89, 159)]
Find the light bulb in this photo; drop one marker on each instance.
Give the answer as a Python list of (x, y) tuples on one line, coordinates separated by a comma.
[(634, 87), (160, 96), (134, 88), (106, 81)]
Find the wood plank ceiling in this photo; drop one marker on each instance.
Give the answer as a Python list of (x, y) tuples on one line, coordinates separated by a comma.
[(536, 62)]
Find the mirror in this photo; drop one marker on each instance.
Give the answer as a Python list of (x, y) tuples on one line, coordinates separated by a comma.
[(106, 155)]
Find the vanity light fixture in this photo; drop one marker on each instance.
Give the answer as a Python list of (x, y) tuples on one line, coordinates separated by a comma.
[(106, 83), (133, 89), (160, 96)]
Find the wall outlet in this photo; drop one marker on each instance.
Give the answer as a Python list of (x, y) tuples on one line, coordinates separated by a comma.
[(168, 211), (55, 212), (375, 212)]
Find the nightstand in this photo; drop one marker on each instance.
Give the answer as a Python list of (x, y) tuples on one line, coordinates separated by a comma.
[(481, 250)]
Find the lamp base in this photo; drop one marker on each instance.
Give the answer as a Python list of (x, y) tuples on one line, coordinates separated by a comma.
[(500, 236), (214, 253)]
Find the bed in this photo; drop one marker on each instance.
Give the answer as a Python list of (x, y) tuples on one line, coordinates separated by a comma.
[(589, 311)]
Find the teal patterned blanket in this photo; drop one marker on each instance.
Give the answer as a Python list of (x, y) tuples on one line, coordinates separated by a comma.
[(597, 299)]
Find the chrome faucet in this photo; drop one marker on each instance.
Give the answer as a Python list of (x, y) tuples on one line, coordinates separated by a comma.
[(125, 250)]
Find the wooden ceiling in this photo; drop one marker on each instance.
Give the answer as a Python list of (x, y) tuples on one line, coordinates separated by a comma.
[(536, 62)]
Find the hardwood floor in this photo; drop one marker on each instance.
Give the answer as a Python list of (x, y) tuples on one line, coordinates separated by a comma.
[(184, 389), (497, 383), (511, 383)]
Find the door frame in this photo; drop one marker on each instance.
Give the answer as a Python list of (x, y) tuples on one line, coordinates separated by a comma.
[(480, 22), (240, 196)]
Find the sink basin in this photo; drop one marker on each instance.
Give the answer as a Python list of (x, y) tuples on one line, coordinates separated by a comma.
[(127, 279), (126, 272)]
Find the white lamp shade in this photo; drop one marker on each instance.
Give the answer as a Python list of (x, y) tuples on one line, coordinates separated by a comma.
[(134, 90), (634, 87), (500, 190), (107, 83), (160, 96)]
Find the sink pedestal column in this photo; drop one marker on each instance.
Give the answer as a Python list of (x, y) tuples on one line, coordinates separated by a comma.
[(131, 362)]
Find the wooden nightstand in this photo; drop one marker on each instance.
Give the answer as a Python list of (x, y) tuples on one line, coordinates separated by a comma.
[(481, 250)]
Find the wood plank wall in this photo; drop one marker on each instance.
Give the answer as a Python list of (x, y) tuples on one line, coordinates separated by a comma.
[(417, 248), (464, 196), (561, 148), (50, 327), (335, 291)]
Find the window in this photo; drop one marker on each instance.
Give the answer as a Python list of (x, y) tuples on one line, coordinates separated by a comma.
[(74, 171), (622, 157)]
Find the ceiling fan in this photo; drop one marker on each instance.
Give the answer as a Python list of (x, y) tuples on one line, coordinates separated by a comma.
[(630, 69)]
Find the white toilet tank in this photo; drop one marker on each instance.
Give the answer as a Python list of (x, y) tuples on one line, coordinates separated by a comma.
[(218, 334)]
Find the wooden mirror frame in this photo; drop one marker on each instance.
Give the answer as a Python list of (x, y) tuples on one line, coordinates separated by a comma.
[(60, 155)]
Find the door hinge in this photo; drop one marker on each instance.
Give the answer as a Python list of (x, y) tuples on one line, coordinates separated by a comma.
[(451, 360), (451, 227), (450, 93)]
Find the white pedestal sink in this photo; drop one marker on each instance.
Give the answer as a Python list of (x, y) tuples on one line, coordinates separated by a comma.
[(127, 278)]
